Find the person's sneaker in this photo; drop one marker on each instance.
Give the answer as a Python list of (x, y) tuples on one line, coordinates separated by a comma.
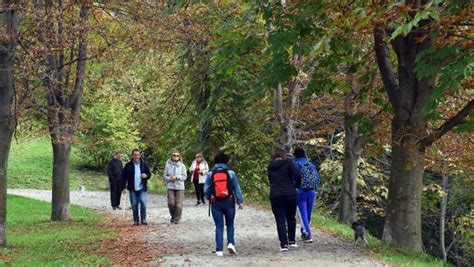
[(119, 208), (231, 248), (197, 204), (219, 253), (172, 220), (284, 248), (308, 239), (114, 208), (293, 244), (144, 222), (176, 222), (135, 223)]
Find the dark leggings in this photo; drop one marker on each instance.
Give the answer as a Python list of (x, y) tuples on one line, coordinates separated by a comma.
[(284, 209), (199, 191)]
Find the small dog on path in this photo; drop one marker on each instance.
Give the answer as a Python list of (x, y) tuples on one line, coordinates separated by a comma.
[(359, 231)]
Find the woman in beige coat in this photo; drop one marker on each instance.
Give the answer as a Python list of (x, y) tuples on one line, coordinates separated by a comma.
[(198, 170), (175, 175)]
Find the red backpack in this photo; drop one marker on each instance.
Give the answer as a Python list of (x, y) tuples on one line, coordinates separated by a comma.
[(221, 181)]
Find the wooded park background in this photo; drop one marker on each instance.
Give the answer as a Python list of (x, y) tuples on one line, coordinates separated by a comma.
[(380, 94)]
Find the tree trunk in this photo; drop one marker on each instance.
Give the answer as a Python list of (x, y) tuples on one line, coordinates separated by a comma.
[(60, 194), (352, 150), (403, 215), (7, 48), (442, 215), (64, 105)]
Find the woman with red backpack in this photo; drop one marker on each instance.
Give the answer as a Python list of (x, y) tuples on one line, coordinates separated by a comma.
[(223, 191)]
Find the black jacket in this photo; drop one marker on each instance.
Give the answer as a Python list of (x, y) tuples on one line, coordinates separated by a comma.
[(129, 175), (281, 173), (114, 169)]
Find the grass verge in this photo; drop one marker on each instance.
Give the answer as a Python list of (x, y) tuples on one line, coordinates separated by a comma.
[(30, 166), (376, 248), (32, 239)]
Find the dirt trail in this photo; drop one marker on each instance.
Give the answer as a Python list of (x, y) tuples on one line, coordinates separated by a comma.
[(192, 241)]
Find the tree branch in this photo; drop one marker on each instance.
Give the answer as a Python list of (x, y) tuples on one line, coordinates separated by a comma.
[(385, 66), (74, 101), (448, 125)]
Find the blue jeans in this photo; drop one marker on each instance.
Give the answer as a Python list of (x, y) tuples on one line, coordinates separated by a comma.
[(305, 206), (223, 209), (138, 197)]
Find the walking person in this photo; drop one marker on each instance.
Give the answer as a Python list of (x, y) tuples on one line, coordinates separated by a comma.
[(136, 174), (306, 194), (223, 191), (175, 176), (283, 197), (198, 170), (116, 183)]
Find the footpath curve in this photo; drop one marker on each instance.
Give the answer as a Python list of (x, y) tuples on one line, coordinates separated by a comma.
[(192, 241)]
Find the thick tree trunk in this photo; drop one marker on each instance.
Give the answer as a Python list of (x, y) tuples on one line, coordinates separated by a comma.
[(442, 216), (60, 194), (7, 46), (403, 215), (352, 150)]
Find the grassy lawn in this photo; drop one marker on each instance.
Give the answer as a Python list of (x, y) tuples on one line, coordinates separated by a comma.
[(36, 241), (30, 166), (376, 248)]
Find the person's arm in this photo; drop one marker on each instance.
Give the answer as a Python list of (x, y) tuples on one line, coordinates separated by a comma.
[(109, 170), (193, 166), (236, 188), (207, 186), (146, 171), (296, 173), (124, 176), (205, 170), (166, 175), (183, 175)]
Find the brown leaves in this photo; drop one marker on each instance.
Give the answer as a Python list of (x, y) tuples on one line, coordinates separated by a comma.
[(130, 247)]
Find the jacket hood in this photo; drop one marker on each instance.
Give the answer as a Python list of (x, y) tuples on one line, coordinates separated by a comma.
[(276, 164)]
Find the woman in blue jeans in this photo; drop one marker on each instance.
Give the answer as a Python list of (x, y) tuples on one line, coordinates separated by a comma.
[(283, 197), (222, 200), (305, 196)]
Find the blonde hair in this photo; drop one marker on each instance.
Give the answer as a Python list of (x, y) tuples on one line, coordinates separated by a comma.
[(202, 157), (177, 153)]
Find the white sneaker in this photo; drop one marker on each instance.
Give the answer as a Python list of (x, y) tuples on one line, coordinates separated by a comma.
[(231, 248), (284, 249), (219, 253), (293, 245)]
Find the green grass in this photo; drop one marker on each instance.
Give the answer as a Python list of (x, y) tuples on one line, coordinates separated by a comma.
[(376, 247), (34, 240), (30, 166)]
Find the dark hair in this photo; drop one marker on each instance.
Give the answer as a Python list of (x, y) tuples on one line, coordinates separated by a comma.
[(136, 149), (299, 153), (278, 152), (221, 158)]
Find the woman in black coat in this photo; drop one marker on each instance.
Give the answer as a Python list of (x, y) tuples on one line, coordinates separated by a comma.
[(284, 179)]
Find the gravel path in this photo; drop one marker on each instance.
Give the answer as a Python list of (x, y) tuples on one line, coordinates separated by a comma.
[(192, 241)]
